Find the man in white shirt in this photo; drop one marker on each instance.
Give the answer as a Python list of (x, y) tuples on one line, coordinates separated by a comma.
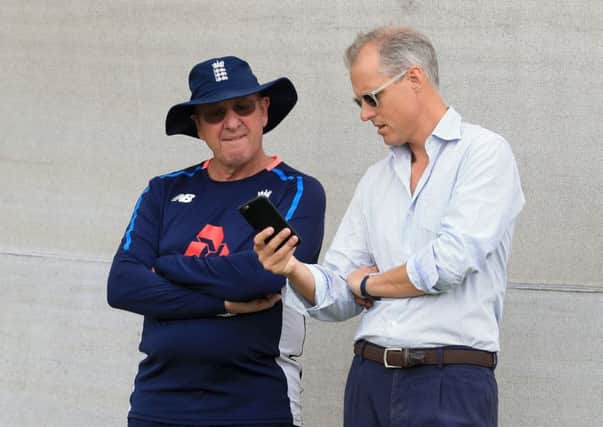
[(421, 252)]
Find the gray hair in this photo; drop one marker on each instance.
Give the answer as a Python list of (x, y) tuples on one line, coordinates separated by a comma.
[(399, 48)]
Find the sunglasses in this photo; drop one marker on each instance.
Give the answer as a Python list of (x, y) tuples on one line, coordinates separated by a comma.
[(370, 98), (215, 114)]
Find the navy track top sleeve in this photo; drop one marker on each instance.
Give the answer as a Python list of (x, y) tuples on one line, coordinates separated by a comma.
[(132, 283)]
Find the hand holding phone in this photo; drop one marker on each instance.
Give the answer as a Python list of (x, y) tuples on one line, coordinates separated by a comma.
[(261, 213)]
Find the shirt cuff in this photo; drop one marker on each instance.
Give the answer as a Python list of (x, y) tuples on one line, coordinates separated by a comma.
[(294, 300), (422, 271)]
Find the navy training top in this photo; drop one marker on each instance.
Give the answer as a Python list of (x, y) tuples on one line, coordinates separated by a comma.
[(185, 251)]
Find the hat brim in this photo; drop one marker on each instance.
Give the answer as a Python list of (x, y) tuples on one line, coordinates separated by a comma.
[(281, 92)]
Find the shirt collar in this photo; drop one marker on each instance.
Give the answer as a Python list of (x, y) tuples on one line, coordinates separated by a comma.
[(449, 126), (447, 129)]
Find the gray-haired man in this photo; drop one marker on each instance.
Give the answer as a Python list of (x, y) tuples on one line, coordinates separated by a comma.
[(421, 252)]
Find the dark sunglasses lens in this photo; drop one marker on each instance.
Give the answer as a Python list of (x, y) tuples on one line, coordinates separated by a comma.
[(369, 100), (244, 108), (214, 115)]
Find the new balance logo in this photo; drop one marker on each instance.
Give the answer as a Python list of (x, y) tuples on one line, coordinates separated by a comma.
[(183, 198), (265, 193), (219, 71)]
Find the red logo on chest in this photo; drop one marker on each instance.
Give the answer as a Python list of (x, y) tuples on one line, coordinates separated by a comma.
[(210, 240)]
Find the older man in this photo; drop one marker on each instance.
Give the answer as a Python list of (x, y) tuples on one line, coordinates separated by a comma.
[(220, 347), (423, 245)]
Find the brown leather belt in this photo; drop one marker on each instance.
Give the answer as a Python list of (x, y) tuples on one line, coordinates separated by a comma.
[(396, 357)]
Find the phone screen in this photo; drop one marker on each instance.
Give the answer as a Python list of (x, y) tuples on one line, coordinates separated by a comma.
[(261, 213)]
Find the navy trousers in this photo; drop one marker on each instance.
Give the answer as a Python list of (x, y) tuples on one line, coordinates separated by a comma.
[(425, 396), (134, 422)]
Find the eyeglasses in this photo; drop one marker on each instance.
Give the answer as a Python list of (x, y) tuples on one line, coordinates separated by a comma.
[(215, 114), (370, 98)]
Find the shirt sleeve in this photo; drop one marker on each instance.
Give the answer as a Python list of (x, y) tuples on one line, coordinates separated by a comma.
[(484, 204), (240, 276), (134, 286), (349, 250)]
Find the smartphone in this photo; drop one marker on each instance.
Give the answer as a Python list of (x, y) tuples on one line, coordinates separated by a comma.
[(261, 213)]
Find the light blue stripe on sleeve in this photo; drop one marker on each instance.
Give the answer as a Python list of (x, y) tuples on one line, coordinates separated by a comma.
[(298, 194), (133, 220)]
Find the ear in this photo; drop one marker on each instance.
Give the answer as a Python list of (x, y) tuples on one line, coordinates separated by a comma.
[(417, 77), (195, 119), (264, 104)]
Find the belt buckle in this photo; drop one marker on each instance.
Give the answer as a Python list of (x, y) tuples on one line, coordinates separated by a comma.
[(410, 358), (388, 349)]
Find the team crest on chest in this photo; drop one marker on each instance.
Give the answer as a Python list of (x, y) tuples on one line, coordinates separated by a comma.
[(209, 241)]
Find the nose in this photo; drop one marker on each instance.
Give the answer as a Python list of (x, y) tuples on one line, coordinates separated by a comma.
[(366, 112), (231, 119)]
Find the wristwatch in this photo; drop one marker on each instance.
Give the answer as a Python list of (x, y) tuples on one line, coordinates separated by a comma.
[(363, 290)]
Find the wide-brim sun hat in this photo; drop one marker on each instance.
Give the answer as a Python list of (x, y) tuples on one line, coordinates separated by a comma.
[(229, 77)]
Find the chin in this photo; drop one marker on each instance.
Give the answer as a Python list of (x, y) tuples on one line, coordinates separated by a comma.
[(392, 142), (236, 162)]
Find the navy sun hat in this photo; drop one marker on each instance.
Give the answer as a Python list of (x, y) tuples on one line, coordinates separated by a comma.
[(219, 79)]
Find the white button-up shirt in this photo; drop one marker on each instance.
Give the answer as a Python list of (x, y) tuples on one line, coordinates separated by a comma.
[(454, 234)]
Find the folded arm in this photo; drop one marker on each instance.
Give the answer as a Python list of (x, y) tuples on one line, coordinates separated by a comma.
[(485, 201)]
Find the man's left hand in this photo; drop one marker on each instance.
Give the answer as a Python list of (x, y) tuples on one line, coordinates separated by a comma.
[(253, 306)]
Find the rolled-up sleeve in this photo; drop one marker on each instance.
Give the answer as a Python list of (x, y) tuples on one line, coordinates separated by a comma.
[(349, 250), (484, 204)]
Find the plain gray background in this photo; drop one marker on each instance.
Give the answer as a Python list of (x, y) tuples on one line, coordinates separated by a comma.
[(85, 87)]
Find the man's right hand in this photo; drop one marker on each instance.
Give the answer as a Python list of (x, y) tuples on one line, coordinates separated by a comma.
[(279, 261), (283, 262)]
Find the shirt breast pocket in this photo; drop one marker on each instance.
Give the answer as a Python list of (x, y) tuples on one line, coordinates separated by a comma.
[(429, 213)]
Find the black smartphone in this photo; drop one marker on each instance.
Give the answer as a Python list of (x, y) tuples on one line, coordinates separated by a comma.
[(261, 213)]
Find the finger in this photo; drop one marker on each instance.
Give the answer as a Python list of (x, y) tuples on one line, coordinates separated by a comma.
[(360, 300), (287, 249), (365, 302), (260, 239), (273, 299), (235, 307), (265, 303), (279, 253), (230, 307), (280, 261), (276, 241), (292, 242), (368, 270)]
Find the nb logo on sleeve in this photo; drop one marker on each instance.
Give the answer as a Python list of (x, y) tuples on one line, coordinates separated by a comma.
[(183, 198)]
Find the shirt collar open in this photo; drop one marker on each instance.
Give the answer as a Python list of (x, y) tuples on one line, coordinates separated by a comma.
[(449, 126)]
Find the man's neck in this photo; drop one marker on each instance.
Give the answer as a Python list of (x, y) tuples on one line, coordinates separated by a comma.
[(432, 114), (224, 172)]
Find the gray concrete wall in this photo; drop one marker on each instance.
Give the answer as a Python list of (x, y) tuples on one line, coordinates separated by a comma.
[(85, 88)]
